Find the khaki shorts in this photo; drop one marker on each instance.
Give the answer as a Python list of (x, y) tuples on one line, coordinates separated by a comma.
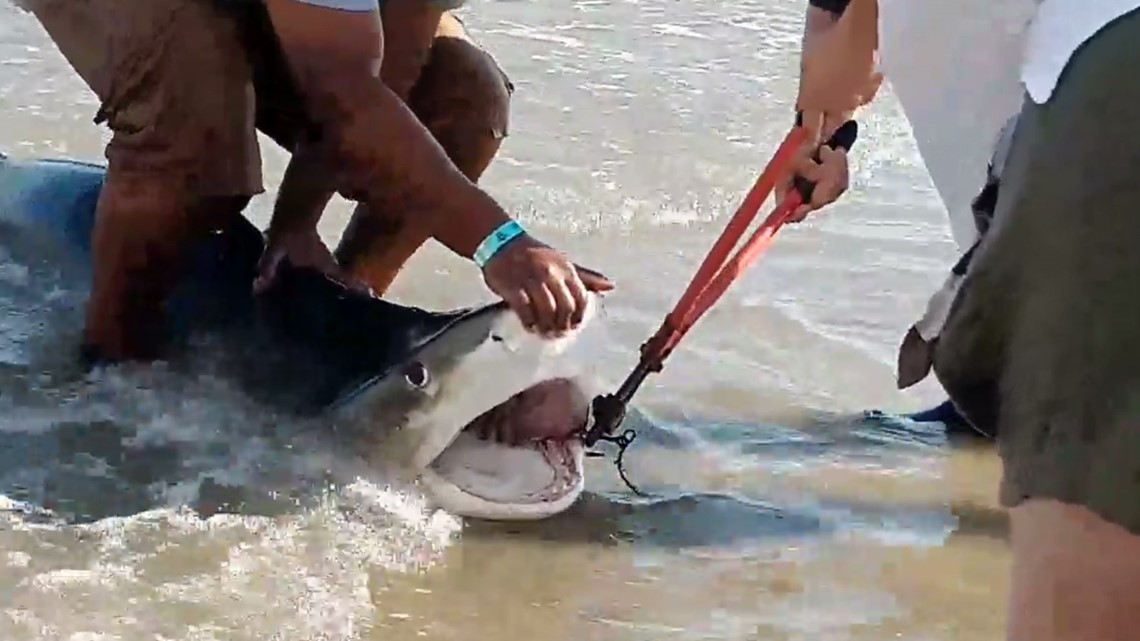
[(1042, 342), (185, 85)]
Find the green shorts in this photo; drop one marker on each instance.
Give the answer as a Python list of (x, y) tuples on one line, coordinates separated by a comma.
[(1042, 342)]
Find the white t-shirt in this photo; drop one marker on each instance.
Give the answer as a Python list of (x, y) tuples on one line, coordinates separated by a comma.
[(1061, 26), (961, 68)]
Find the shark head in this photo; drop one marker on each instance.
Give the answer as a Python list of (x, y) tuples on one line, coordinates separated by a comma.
[(485, 413)]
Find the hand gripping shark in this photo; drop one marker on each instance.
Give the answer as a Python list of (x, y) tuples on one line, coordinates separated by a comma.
[(435, 387)]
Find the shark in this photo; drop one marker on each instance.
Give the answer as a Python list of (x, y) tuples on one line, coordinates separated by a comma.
[(484, 414)]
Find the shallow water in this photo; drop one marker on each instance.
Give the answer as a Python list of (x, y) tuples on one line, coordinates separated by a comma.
[(156, 504)]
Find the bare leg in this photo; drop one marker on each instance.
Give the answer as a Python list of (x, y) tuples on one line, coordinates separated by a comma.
[(133, 269), (1042, 343), (1076, 577), (183, 155)]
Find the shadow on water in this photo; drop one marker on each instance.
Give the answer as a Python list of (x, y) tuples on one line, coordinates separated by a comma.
[(726, 521), (820, 432), (678, 521)]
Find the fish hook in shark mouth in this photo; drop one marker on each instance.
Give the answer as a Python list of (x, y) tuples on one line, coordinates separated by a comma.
[(484, 413)]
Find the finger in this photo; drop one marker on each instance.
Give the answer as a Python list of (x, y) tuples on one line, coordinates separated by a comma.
[(802, 158), (365, 288), (872, 89), (268, 261), (799, 214), (801, 170), (566, 306), (577, 291), (833, 179), (519, 301), (827, 192), (266, 271), (833, 121), (810, 170), (783, 187), (542, 301), (594, 281), (352, 282), (361, 287), (812, 122)]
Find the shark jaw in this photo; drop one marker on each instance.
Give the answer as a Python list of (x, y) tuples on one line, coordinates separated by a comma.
[(488, 417), (532, 478)]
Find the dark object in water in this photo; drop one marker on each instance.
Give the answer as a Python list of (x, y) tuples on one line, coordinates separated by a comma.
[(944, 413)]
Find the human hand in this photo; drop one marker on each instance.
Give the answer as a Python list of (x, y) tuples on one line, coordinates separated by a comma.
[(827, 171), (303, 249), (546, 290), (821, 175)]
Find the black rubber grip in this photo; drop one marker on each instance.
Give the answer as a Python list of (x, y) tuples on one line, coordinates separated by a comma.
[(844, 138)]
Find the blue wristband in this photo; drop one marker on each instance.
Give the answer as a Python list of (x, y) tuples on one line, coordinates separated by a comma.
[(496, 241)]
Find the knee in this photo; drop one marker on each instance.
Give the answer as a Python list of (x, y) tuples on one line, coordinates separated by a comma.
[(462, 84), (463, 98)]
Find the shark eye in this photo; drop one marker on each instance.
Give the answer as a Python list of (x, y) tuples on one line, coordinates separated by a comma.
[(417, 375)]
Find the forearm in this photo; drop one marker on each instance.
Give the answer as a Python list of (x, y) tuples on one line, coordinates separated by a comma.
[(864, 15), (842, 50), (413, 175), (833, 7), (306, 188), (375, 151), (818, 20), (378, 150), (309, 182), (863, 18), (396, 159)]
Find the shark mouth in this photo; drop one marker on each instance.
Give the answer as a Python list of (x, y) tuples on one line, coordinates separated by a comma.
[(520, 460)]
